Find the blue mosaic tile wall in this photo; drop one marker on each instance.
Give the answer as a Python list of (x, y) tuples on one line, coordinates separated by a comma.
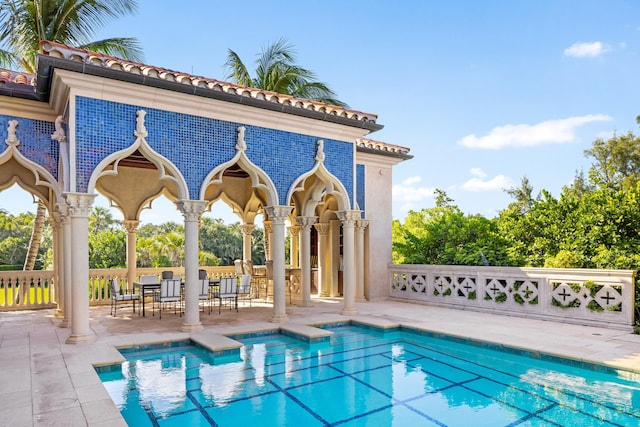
[(196, 145), (35, 141), (360, 187)]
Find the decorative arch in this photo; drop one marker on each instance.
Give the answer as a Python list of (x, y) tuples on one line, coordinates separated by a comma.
[(324, 183), (166, 169), (41, 177), (259, 178)]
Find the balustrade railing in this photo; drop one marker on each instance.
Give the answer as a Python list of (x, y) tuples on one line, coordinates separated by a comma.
[(26, 290), (584, 296)]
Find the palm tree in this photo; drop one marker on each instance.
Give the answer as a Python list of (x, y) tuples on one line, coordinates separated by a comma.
[(277, 71), (24, 23)]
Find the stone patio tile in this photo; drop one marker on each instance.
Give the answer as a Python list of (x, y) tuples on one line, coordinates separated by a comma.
[(15, 380), (101, 410), (43, 403), (92, 393), (20, 417), (18, 400), (61, 418)]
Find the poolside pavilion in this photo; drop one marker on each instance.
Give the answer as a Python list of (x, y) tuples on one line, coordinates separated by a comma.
[(87, 123)]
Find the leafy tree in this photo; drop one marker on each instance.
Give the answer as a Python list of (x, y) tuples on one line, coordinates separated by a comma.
[(24, 23), (107, 249), (445, 235), (277, 71), (522, 195), (225, 241), (617, 161)]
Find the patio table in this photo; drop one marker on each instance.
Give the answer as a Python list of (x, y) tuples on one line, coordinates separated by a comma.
[(144, 287)]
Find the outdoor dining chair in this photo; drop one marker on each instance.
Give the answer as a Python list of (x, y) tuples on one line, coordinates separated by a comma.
[(170, 292), (257, 279), (245, 290), (228, 291), (205, 292), (117, 296)]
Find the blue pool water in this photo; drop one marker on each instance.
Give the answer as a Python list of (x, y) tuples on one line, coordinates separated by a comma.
[(366, 377)]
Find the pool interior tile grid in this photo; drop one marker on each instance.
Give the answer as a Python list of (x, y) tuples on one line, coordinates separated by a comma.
[(52, 383), (298, 379)]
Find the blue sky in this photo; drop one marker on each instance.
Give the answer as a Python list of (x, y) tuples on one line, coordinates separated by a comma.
[(483, 92)]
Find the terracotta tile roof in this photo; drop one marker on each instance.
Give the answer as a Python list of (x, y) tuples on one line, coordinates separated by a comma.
[(16, 77), (98, 59), (382, 146)]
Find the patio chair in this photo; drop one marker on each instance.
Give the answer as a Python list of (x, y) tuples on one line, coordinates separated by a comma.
[(257, 280), (239, 267), (170, 292), (205, 292), (117, 297), (268, 283), (245, 290), (202, 274), (228, 291), (167, 274)]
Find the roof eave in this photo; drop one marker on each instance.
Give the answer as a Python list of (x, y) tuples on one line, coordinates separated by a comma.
[(396, 155), (47, 63)]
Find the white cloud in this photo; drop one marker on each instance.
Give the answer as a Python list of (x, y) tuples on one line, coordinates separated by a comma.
[(499, 182), (549, 132), (581, 50), (477, 172), (408, 195)]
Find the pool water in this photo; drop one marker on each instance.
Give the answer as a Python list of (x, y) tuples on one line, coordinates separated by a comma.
[(364, 376)]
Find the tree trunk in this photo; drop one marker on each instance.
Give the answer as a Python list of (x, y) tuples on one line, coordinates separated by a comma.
[(36, 237)]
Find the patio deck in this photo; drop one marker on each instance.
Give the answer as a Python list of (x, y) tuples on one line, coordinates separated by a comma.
[(46, 382)]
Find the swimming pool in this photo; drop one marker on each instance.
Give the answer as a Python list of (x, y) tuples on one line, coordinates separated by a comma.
[(366, 376)]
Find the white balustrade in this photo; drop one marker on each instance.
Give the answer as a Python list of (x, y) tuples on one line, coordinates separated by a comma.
[(584, 296)]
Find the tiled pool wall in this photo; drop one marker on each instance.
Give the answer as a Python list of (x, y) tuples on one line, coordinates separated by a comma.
[(563, 360)]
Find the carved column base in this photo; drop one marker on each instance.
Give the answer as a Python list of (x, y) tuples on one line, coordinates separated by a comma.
[(65, 323), (191, 327), (349, 312), (279, 318), (80, 339)]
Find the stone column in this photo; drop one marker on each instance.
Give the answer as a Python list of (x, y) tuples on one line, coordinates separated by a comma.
[(323, 274), (131, 225), (348, 219), (305, 223), (79, 207), (268, 232), (246, 229), (294, 251), (66, 261), (361, 225), (277, 216), (55, 219), (191, 210)]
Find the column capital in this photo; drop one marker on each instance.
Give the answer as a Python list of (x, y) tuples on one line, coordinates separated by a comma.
[(56, 220), (191, 209), (247, 228), (278, 213), (306, 221), (348, 217), (131, 225), (79, 204), (322, 228), (361, 225), (294, 230)]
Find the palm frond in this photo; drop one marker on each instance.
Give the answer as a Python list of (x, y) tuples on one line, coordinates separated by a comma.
[(124, 47), (236, 70)]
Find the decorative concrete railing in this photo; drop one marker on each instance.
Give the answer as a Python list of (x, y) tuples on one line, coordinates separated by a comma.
[(26, 290), (590, 297)]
